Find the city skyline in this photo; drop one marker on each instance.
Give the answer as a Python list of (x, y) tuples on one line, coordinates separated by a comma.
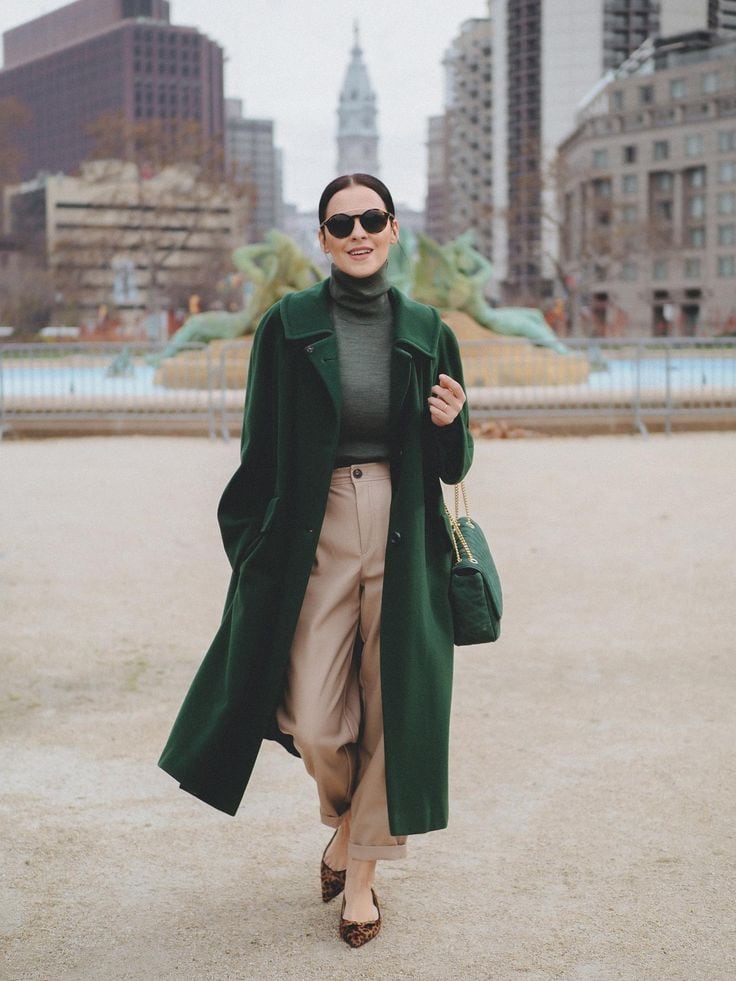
[(278, 76)]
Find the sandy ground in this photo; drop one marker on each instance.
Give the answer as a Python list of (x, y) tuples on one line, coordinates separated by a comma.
[(593, 785)]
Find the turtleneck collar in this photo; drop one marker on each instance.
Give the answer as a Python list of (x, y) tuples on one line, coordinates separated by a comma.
[(363, 295)]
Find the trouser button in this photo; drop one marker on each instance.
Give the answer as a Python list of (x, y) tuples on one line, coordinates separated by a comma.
[(357, 473)]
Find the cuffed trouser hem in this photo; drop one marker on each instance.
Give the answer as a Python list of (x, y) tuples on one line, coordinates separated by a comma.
[(330, 820), (372, 853)]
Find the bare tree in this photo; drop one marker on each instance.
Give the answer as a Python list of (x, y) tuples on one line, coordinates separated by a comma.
[(26, 296), (14, 115), (162, 218), (600, 232)]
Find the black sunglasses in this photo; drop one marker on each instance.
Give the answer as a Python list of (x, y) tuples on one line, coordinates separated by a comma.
[(341, 225)]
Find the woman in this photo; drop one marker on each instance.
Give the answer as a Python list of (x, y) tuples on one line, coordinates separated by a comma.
[(336, 638)]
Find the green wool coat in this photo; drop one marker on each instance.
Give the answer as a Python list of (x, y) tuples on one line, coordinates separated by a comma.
[(270, 517)]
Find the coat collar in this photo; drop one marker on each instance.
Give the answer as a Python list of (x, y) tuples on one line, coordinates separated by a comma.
[(306, 315)]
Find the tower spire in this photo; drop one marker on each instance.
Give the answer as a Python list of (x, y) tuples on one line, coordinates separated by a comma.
[(357, 132)]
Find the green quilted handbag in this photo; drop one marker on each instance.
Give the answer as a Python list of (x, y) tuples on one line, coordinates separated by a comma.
[(475, 587)]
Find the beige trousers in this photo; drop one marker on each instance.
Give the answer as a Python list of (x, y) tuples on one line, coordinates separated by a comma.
[(332, 705)]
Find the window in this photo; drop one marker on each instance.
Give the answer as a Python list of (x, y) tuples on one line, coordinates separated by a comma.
[(727, 234), (727, 171), (696, 237), (602, 187), (692, 268), (659, 269), (693, 145), (696, 206), (630, 214), (617, 101), (695, 177), (629, 183), (727, 265), (678, 88), (600, 159), (663, 181), (630, 272), (663, 210), (646, 95), (661, 150), (727, 140), (711, 82), (726, 203), (628, 154)]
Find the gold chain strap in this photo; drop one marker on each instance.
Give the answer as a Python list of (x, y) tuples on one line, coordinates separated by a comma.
[(457, 534)]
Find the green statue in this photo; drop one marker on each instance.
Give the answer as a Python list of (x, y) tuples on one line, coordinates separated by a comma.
[(454, 276), (274, 268), (401, 259)]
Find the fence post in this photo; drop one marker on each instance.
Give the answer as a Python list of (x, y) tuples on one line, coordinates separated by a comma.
[(638, 421), (210, 394), (2, 398), (668, 390), (224, 428)]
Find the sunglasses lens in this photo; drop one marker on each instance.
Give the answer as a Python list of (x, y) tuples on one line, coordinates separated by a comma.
[(341, 226), (373, 221)]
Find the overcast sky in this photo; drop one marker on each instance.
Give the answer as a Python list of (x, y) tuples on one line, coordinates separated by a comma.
[(287, 58)]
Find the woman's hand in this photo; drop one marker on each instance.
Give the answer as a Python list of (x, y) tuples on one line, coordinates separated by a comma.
[(446, 401)]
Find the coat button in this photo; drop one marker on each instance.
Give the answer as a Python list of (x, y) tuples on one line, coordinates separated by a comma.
[(357, 473), (309, 349), (395, 537)]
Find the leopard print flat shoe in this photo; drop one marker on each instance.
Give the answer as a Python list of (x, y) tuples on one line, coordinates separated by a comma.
[(333, 881), (354, 933)]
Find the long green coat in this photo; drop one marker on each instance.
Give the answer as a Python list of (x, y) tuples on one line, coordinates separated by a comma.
[(270, 517)]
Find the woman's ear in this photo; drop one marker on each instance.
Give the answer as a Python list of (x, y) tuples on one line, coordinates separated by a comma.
[(322, 241), (395, 230)]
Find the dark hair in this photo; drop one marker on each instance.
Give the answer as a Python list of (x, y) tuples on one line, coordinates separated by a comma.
[(350, 180)]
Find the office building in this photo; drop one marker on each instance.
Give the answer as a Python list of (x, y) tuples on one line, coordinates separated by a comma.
[(647, 182), (459, 145), (547, 55), (253, 160), (435, 208), (116, 237), (94, 57)]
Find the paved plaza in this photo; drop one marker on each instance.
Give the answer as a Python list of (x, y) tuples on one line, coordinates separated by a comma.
[(593, 790)]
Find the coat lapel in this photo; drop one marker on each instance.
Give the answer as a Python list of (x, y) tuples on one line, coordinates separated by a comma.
[(416, 331), (307, 319), (323, 355)]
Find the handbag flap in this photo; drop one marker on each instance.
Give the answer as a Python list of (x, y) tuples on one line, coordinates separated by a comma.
[(483, 563)]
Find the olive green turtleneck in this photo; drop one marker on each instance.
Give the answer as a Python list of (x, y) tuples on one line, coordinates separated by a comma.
[(361, 312)]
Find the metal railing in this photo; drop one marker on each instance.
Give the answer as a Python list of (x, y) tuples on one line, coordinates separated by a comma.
[(643, 379), (74, 386), (83, 385)]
